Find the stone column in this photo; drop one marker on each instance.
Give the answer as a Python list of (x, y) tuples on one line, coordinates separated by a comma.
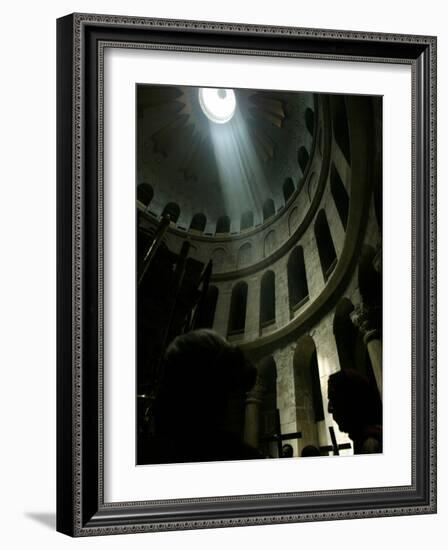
[(314, 276), (282, 316), (286, 393), (221, 320), (337, 230), (364, 318), (252, 414), (252, 328), (328, 363)]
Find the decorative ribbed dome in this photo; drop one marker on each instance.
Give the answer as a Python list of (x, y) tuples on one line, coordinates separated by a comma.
[(226, 176)]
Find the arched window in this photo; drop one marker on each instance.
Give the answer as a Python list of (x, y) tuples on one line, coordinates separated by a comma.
[(173, 210), (223, 224), (325, 246), (288, 189), (238, 303), (309, 120), (198, 222), (340, 195), (268, 209), (303, 157), (145, 193), (297, 283), (206, 314), (218, 257), (267, 299), (340, 125), (270, 243), (245, 255), (247, 220)]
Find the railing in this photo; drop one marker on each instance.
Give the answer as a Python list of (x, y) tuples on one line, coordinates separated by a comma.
[(150, 253)]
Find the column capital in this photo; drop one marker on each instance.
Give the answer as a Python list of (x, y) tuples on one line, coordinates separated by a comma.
[(365, 318), (377, 261), (256, 393)]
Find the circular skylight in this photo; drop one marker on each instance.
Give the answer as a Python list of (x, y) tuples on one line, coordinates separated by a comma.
[(218, 104)]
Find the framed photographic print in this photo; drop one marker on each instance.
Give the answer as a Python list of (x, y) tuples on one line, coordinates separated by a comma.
[(246, 274)]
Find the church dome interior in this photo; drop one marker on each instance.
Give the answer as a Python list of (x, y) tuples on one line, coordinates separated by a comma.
[(220, 178), (259, 218)]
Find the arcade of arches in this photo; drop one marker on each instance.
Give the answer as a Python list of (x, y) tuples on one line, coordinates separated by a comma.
[(267, 230)]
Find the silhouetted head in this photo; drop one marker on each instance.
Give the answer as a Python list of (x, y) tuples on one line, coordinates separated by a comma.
[(201, 371), (287, 451), (310, 450), (353, 401)]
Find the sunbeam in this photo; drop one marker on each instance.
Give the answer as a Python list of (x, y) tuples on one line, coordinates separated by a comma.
[(241, 176)]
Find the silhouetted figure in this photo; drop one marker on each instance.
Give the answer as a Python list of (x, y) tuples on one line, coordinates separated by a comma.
[(310, 450), (287, 451), (356, 408), (204, 378)]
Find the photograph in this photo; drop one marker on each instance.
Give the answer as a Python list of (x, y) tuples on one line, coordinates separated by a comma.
[(246, 273), (258, 274), (222, 322)]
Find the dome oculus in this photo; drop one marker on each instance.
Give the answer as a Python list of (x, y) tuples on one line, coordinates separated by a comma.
[(218, 104)]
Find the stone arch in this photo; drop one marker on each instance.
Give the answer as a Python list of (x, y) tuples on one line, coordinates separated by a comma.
[(297, 282), (270, 242), (352, 351), (198, 222), (293, 220), (308, 393), (325, 245), (288, 189), (268, 209), (340, 195), (238, 305), (267, 299), (218, 258), (345, 334), (377, 174), (340, 125), (206, 315), (145, 193), (173, 210), (247, 220), (369, 279), (223, 224), (369, 319), (245, 255)]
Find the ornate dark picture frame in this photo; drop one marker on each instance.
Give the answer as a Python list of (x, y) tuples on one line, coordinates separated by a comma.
[(81, 509)]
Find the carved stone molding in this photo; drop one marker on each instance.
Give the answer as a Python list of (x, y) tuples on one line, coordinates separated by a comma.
[(257, 393), (365, 319)]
